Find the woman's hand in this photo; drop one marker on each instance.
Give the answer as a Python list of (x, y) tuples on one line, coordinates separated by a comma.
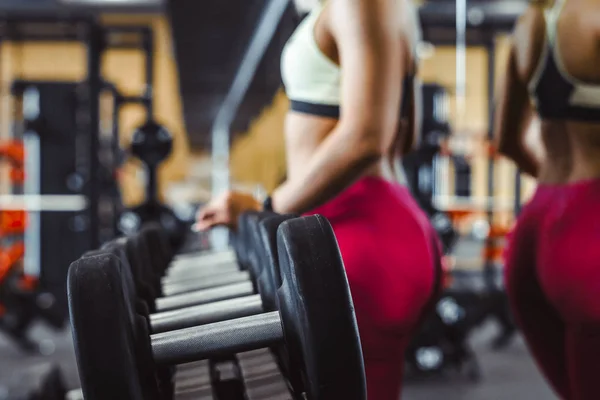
[(225, 210)]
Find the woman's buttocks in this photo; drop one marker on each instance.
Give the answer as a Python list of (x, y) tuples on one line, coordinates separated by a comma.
[(385, 244)]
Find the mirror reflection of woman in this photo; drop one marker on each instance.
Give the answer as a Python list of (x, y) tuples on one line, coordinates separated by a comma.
[(552, 270), (349, 71)]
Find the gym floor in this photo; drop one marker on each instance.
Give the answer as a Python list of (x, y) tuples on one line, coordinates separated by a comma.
[(508, 374)]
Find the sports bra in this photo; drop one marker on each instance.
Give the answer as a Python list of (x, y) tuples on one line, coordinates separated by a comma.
[(311, 79), (555, 93)]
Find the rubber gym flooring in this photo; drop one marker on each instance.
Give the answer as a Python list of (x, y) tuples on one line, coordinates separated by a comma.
[(508, 374)]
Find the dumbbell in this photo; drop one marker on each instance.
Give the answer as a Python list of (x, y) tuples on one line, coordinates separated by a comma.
[(156, 241), (163, 383), (136, 249), (222, 262), (222, 310), (143, 268), (240, 288), (165, 259), (264, 243), (172, 264), (268, 373), (197, 279), (186, 266), (262, 236), (315, 325)]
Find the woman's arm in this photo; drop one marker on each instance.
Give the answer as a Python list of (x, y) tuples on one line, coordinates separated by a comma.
[(370, 52), (512, 117)]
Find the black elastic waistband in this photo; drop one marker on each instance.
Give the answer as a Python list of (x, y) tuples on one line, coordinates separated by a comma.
[(322, 110)]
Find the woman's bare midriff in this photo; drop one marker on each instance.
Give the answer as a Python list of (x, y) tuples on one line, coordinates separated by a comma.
[(571, 152), (303, 135)]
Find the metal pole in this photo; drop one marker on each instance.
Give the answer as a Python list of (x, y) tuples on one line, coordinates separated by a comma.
[(149, 52), (461, 61), (116, 130), (95, 47), (517, 207), (489, 272), (221, 131)]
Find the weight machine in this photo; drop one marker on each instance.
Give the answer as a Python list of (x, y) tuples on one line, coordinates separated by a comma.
[(64, 202)]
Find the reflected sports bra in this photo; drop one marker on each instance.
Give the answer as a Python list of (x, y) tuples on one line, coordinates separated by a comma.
[(311, 79), (555, 93)]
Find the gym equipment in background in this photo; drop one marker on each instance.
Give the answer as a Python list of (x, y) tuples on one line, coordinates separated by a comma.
[(59, 126), (420, 165), (152, 144)]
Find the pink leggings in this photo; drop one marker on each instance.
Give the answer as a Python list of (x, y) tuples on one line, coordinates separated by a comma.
[(389, 251), (552, 278)]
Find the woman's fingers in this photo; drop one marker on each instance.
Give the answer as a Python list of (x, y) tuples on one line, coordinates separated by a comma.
[(210, 217)]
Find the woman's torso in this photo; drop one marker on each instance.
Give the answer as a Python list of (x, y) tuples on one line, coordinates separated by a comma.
[(305, 132), (571, 144)]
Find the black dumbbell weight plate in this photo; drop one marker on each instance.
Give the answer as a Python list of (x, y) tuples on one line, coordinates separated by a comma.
[(131, 221), (102, 331), (151, 143), (317, 311)]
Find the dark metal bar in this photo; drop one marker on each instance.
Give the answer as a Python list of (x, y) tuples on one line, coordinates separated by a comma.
[(205, 282), (48, 17), (206, 313), (151, 184), (44, 28), (205, 296), (517, 206), (124, 46), (184, 275), (115, 144), (123, 29), (148, 47), (95, 84), (21, 7), (227, 337), (498, 15), (133, 100), (126, 36)]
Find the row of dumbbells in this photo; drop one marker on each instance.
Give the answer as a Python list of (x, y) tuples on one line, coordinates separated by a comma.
[(279, 302)]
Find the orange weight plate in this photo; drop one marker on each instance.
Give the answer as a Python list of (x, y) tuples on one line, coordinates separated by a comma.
[(13, 222)]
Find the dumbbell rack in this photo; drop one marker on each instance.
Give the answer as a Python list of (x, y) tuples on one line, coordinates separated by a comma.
[(252, 375)]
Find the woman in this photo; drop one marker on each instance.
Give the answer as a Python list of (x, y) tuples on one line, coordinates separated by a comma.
[(347, 70), (552, 273)]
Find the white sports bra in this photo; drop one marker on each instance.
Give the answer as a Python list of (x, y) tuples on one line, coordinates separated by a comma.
[(555, 93), (312, 80)]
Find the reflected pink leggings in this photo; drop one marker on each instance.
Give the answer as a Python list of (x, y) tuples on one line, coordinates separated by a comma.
[(392, 259), (552, 278)]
